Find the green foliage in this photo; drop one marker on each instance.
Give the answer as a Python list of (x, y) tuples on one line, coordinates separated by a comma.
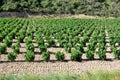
[(28, 40), (102, 54), (80, 48), (2, 48), (117, 53), (76, 55), (46, 56), (11, 56), (90, 55), (60, 56), (51, 42), (89, 7), (39, 40), (91, 47), (102, 46), (107, 2), (1, 37), (20, 38), (10, 5), (68, 47), (98, 75), (30, 47), (43, 48), (16, 47), (29, 56), (8, 41)]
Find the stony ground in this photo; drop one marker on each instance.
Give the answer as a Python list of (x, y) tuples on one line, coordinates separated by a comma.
[(41, 67)]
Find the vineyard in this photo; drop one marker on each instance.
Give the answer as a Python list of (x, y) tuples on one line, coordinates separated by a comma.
[(59, 39)]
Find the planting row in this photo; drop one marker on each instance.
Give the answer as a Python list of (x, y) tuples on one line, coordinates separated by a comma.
[(87, 36)]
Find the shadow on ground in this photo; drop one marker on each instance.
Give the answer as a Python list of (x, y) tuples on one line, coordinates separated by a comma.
[(13, 15)]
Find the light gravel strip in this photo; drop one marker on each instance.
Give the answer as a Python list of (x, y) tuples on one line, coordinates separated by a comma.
[(41, 67)]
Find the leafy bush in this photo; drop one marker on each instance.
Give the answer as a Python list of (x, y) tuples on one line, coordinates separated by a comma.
[(43, 48), (30, 47), (68, 47), (8, 41), (20, 38), (90, 55), (86, 38), (29, 56), (82, 42), (76, 55), (40, 42), (91, 47), (51, 42), (28, 40), (59, 56), (102, 46), (2, 48), (16, 48), (102, 54), (11, 56), (117, 53), (93, 7), (1, 37), (39, 39), (113, 48), (62, 42), (80, 48), (46, 56), (76, 39)]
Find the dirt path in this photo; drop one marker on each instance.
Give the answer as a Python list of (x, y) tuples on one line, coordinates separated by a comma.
[(51, 67), (27, 15)]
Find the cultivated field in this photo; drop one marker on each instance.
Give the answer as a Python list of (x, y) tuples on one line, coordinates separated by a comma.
[(54, 45)]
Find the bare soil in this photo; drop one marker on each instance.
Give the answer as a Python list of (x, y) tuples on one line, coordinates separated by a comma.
[(13, 14), (38, 15), (53, 66)]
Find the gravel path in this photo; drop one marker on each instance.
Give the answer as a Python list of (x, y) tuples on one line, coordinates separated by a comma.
[(41, 67)]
